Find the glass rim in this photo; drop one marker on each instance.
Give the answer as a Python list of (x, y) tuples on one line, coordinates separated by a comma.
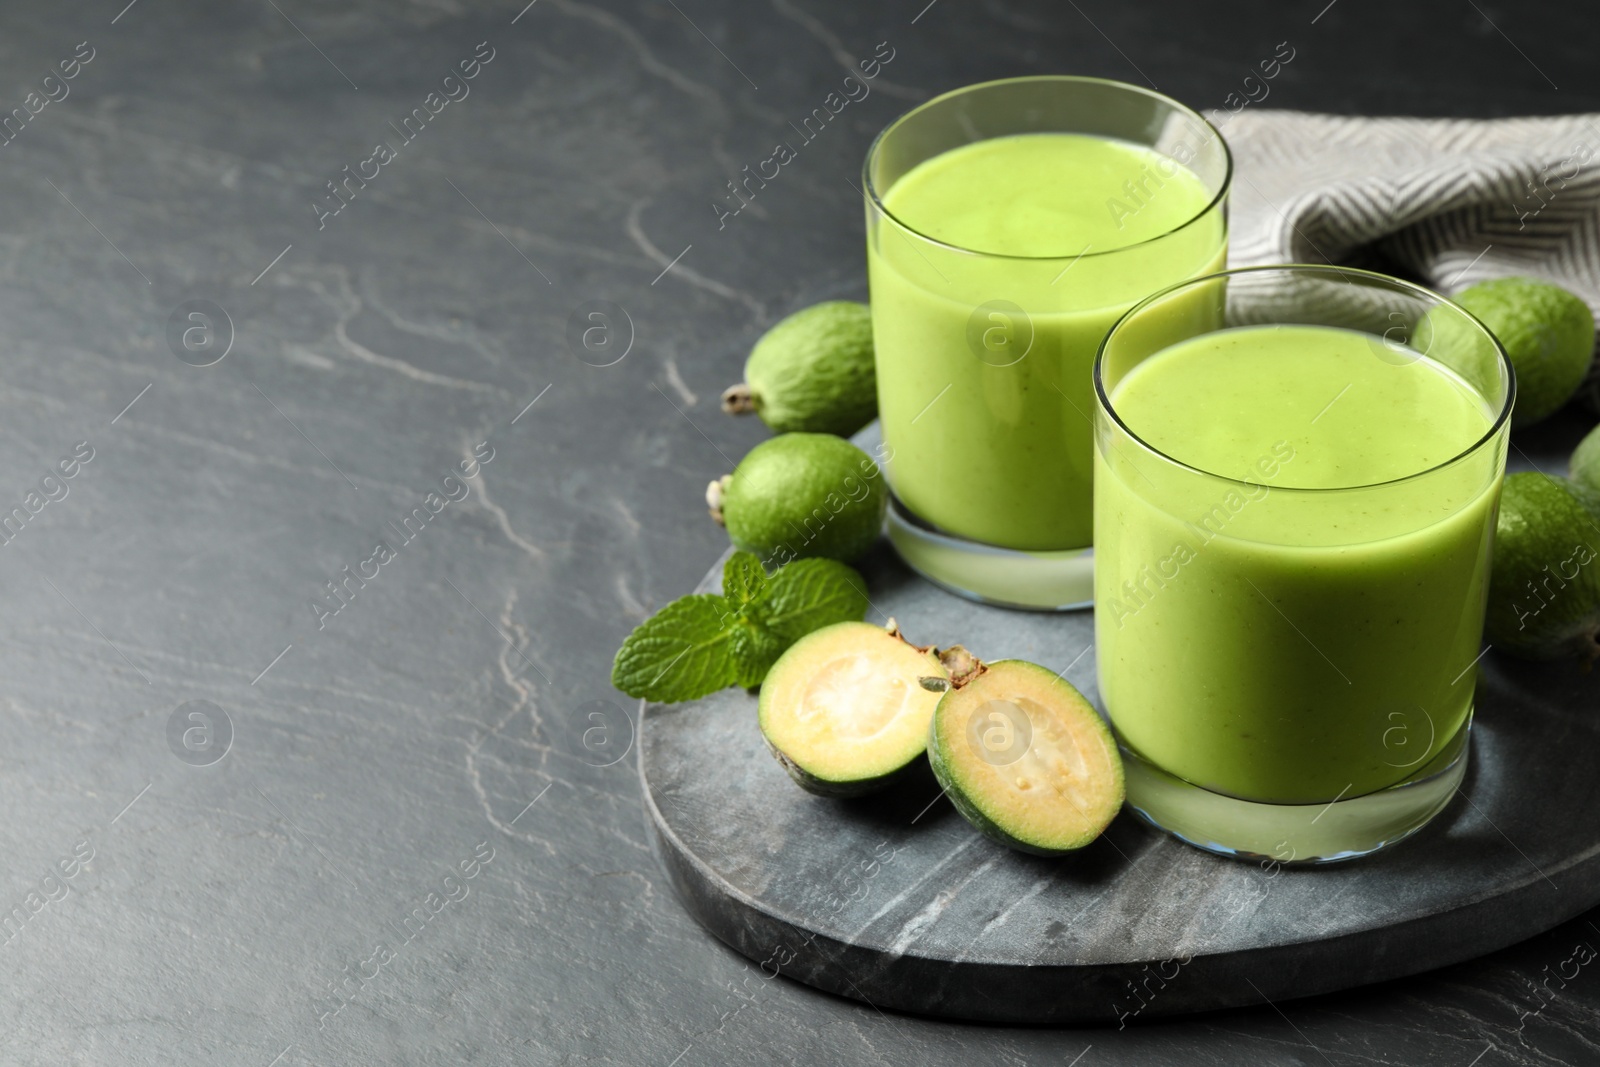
[(1077, 79), (1502, 418)]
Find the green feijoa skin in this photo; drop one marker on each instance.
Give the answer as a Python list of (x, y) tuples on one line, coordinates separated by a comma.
[(846, 709), (1025, 758), (1544, 591), (1547, 332), (799, 495), (1585, 464), (812, 373)]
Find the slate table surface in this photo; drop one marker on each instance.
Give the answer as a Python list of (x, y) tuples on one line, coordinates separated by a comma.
[(244, 829)]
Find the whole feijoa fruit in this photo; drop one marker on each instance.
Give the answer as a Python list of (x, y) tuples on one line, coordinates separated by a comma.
[(801, 494), (812, 372), (1544, 591), (1584, 466), (1547, 332)]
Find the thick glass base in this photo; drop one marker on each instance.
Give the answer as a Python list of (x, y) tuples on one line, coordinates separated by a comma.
[(1035, 581), (1292, 834)]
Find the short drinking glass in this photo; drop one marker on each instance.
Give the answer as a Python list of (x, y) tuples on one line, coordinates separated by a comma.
[(1009, 224), (1297, 471)]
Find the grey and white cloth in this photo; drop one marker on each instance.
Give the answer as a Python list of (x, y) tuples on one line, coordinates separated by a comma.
[(1446, 202)]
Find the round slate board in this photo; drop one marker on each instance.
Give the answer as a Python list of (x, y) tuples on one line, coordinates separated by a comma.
[(894, 900)]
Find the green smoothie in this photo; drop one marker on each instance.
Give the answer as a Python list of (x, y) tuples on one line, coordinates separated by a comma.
[(1258, 635), (1002, 268)]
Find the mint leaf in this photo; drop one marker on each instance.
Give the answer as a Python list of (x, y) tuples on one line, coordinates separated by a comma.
[(701, 643), (754, 649), (679, 653), (809, 594), (743, 579)]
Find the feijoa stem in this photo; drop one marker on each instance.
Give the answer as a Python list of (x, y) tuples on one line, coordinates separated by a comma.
[(739, 400), (963, 666), (893, 630), (714, 494)]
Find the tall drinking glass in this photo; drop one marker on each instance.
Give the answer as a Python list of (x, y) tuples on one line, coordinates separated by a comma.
[(1297, 475), (1009, 224)]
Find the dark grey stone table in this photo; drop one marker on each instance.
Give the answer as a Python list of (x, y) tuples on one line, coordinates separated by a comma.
[(423, 840)]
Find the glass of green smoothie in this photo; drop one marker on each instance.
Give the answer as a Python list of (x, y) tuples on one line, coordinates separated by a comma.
[(1009, 224), (1296, 476)]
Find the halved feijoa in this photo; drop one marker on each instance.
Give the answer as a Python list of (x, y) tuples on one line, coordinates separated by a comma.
[(1025, 758), (847, 707)]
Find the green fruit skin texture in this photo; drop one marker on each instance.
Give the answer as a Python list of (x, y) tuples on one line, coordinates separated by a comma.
[(1547, 332), (1585, 465), (813, 372), (1548, 534), (805, 494), (969, 810)]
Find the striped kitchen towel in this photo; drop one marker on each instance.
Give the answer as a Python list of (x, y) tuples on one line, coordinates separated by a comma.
[(1446, 202)]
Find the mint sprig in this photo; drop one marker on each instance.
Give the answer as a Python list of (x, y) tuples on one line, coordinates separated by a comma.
[(743, 578), (809, 594), (704, 642)]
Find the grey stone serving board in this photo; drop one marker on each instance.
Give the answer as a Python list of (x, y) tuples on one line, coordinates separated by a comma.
[(894, 900)]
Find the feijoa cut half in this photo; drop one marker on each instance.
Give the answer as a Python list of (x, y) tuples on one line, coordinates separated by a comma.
[(1025, 758), (846, 708)]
